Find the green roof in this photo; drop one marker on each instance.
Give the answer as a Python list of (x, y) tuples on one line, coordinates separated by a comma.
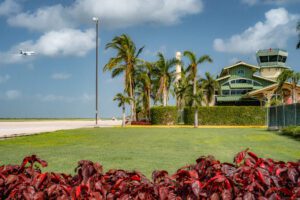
[(241, 85), (229, 98)]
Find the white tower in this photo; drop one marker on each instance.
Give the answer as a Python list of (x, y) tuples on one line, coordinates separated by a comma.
[(178, 66)]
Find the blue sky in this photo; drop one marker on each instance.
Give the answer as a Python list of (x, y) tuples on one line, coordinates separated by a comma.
[(59, 81)]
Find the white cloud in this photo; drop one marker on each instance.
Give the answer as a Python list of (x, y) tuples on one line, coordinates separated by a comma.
[(53, 97), (4, 78), (61, 98), (276, 2), (112, 13), (65, 42), (9, 7), (274, 32), (44, 19), (250, 2), (12, 94), (60, 76)]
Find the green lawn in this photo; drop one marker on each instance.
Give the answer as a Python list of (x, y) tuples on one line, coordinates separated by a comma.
[(145, 149)]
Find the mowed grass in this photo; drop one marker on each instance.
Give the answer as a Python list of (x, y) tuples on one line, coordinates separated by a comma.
[(145, 149)]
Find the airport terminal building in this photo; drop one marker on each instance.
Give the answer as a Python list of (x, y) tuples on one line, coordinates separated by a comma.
[(246, 84)]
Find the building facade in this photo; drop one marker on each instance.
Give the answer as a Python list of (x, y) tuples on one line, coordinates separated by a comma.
[(239, 80)]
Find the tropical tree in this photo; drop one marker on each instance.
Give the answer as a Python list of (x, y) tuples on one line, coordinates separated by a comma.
[(197, 101), (193, 69), (210, 86), (298, 29), (163, 73), (125, 63), (144, 84), (183, 90), (291, 77), (123, 100)]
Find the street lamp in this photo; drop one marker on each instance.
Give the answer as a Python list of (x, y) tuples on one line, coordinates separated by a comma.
[(96, 20)]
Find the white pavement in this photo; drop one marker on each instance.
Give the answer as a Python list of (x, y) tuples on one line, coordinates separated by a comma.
[(12, 129)]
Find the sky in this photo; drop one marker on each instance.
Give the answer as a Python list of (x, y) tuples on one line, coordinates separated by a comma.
[(59, 80)]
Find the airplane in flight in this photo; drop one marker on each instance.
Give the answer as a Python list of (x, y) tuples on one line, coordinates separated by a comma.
[(26, 53)]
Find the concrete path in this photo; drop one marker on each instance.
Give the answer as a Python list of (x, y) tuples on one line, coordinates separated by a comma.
[(12, 129)]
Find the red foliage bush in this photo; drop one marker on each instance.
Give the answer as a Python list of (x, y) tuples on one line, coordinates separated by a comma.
[(142, 123), (249, 178)]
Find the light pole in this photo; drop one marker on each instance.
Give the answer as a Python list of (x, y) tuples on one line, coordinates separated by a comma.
[(96, 20)]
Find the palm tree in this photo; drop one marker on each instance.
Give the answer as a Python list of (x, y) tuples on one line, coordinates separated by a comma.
[(163, 76), (124, 62), (209, 85), (182, 90), (197, 101), (298, 29), (122, 101), (144, 83), (192, 68), (293, 78)]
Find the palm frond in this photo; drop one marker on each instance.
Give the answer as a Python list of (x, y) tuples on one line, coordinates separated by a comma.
[(205, 58), (191, 56)]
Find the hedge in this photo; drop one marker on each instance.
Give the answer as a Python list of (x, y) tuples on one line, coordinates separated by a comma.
[(227, 115), (167, 115), (293, 131)]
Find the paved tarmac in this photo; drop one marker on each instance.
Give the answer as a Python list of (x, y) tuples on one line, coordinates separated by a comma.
[(13, 129)]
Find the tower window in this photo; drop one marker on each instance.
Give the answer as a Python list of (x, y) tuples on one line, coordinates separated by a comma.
[(273, 58), (284, 59), (263, 59)]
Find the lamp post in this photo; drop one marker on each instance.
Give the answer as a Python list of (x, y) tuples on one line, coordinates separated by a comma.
[(96, 20)]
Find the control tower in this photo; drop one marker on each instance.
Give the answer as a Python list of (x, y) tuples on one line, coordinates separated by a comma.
[(178, 66), (272, 62)]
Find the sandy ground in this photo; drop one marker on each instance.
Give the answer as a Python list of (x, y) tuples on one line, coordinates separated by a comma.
[(12, 129)]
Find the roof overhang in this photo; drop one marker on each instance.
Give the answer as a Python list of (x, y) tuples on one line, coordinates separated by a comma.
[(223, 77), (241, 63), (267, 79)]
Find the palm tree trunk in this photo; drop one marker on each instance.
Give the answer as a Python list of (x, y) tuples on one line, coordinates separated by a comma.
[(149, 102), (194, 103), (196, 118), (294, 94), (165, 96), (123, 116), (132, 103)]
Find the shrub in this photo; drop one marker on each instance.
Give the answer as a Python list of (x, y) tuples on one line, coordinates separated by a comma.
[(167, 115), (249, 177), (227, 115), (293, 131)]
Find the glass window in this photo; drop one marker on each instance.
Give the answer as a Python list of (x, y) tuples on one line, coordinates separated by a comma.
[(241, 72), (225, 92), (239, 92), (273, 58), (233, 81), (284, 59), (241, 81), (263, 59), (280, 58), (257, 83)]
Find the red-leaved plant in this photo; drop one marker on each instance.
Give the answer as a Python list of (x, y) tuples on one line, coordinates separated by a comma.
[(248, 178)]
